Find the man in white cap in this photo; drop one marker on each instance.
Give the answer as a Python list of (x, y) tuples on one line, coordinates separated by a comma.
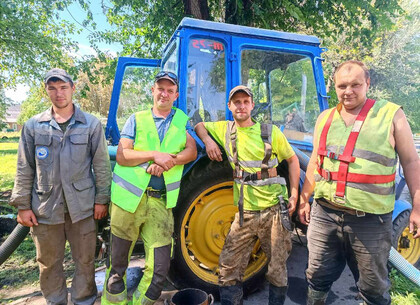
[(254, 150), (62, 185)]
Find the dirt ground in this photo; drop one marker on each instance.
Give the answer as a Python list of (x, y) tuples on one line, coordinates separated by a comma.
[(31, 294)]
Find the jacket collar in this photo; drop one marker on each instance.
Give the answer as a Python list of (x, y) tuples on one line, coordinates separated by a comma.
[(78, 115)]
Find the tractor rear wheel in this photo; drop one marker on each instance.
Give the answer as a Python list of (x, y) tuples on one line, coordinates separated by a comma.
[(202, 221), (403, 240)]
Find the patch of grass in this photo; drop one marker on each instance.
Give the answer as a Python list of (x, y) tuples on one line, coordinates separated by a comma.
[(8, 161), (22, 269), (9, 136), (403, 291)]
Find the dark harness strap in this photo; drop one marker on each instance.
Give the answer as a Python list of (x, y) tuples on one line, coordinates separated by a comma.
[(238, 173), (266, 137)]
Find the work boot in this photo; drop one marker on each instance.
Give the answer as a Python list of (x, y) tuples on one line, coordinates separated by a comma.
[(316, 297), (276, 295), (231, 295)]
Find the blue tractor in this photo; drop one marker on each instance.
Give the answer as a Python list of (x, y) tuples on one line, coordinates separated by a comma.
[(284, 71)]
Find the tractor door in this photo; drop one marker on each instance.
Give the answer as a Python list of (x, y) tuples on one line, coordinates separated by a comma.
[(134, 79), (282, 79)]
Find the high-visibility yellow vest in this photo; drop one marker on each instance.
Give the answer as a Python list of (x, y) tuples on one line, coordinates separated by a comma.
[(130, 182), (373, 154), (258, 194)]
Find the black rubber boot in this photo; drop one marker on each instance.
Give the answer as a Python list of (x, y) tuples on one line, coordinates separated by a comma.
[(231, 295), (316, 297), (276, 295)]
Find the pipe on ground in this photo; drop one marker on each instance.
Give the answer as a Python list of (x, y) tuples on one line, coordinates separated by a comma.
[(12, 242), (407, 269)]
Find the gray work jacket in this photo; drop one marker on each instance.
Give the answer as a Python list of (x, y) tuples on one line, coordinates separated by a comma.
[(56, 167)]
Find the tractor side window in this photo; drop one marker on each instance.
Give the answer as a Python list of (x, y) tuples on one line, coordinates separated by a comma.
[(284, 90), (136, 92), (206, 88), (170, 60)]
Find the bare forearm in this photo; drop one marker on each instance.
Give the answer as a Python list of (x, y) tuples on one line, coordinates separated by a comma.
[(411, 173), (131, 157), (309, 183), (188, 154), (202, 132), (294, 173)]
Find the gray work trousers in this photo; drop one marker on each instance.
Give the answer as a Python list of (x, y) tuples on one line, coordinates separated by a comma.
[(50, 243), (336, 238)]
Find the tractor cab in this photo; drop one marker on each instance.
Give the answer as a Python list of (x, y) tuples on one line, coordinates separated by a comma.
[(283, 70)]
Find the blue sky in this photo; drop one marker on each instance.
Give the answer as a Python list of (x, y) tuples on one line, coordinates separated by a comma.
[(75, 15)]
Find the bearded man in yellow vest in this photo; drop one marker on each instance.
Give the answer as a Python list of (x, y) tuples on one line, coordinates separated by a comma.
[(254, 150), (352, 170), (153, 149)]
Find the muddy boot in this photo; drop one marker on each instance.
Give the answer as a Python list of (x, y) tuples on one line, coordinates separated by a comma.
[(276, 295), (316, 297), (231, 295)]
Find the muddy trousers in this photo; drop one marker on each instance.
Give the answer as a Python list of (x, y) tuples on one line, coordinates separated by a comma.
[(50, 241), (275, 241), (336, 238), (154, 223)]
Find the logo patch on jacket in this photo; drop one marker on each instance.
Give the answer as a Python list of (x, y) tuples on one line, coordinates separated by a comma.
[(42, 152)]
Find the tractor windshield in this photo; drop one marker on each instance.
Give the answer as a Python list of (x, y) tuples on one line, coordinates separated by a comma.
[(206, 88), (284, 90)]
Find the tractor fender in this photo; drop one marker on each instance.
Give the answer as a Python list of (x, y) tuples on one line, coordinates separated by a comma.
[(399, 207)]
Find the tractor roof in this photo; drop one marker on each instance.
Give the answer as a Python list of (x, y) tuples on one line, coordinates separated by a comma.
[(240, 30)]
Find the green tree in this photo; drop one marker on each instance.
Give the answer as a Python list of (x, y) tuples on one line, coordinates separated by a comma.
[(395, 65), (4, 102), (393, 59), (32, 39), (93, 88), (143, 27), (36, 102)]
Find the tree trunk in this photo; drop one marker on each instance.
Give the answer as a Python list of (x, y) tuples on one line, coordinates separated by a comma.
[(197, 8), (239, 12), (231, 14)]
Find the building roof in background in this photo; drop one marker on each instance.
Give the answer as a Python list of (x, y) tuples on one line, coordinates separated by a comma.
[(12, 113)]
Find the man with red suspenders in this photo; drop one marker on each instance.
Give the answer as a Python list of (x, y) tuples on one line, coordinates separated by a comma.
[(352, 172)]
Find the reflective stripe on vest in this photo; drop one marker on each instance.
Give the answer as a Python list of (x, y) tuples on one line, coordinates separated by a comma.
[(360, 171), (129, 182)]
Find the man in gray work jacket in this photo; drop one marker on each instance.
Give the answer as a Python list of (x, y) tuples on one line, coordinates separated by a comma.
[(60, 151)]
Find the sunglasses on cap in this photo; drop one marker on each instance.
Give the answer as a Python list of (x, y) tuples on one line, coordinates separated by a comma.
[(167, 75)]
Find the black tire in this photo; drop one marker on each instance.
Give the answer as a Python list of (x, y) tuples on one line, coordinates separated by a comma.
[(403, 240), (207, 192)]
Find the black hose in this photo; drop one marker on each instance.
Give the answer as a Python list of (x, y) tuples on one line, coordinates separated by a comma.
[(12, 242)]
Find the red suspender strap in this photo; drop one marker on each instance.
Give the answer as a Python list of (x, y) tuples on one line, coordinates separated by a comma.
[(322, 148), (348, 150), (358, 178)]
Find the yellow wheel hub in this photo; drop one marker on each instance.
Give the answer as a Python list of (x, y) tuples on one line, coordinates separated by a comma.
[(204, 229), (409, 247)]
